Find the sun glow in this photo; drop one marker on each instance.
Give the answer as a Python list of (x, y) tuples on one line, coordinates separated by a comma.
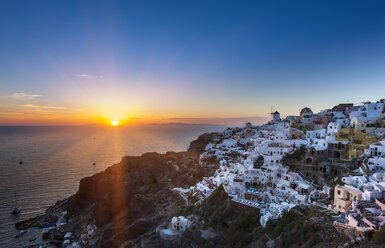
[(114, 123)]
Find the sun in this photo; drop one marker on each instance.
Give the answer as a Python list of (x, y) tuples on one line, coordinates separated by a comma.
[(114, 123)]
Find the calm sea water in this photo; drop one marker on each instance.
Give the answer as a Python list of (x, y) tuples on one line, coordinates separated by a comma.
[(56, 158)]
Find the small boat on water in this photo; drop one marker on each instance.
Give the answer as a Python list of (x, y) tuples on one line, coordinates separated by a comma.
[(21, 232), (16, 210)]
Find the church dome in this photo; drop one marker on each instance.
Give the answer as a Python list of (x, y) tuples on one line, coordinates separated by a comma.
[(305, 110)]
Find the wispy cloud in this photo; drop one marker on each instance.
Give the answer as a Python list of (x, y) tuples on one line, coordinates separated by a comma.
[(20, 96), (88, 76), (230, 121), (9, 113), (33, 106)]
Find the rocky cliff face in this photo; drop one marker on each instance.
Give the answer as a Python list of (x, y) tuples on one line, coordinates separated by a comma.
[(200, 144), (131, 198)]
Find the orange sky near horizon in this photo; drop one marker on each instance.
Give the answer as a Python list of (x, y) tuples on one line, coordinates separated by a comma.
[(37, 119), (93, 106)]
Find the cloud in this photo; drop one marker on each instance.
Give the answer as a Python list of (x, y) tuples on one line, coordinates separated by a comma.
[(87, 76), (33, 106), (10, 113), (21, 96), (229, 121)]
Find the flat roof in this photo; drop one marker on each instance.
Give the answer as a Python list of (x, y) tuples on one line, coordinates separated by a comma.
[(349, 188)]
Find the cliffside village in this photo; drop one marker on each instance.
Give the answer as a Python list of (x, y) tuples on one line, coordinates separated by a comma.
[(334, 159)]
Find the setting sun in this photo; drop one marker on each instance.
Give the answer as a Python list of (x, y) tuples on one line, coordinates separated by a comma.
[(114, 123)]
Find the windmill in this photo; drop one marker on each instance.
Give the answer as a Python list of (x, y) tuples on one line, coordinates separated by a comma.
[(271, 112)]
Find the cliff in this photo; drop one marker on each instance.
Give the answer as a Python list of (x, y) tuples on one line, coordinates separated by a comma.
[(200, 144), (130, 198)]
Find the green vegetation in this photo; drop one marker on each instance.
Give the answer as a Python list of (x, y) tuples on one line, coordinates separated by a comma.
[(294, 229), (193, 198), (379, 237), (242, 230), (295, 155), (298, 227), (220, 215), (239, 227)]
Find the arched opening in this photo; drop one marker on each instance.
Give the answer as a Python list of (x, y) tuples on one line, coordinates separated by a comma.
[(247, 185)]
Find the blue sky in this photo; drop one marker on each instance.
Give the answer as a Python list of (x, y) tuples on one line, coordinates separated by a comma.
[(188, 59)]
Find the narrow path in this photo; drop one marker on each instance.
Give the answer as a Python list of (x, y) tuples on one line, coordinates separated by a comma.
[(183, 196)]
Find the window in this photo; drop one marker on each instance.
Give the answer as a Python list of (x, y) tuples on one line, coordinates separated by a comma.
[(338, 192)]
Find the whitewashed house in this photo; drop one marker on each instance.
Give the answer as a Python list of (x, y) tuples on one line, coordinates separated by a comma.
[(370, 110), (376, 164), (335, 127), (180, 223), (371, 192), (367, 124), (355, 181), (276, 116), (376, 149)]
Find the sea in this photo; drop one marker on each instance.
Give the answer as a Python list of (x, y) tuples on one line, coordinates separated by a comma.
[(55, 158)]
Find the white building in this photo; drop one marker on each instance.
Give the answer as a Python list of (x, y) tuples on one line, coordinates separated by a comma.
[(376, 149), (308, 118), (363, 123), (276, 116), (335, 127), (376, 164), (355, 181), (307, 115), (180, 223), (336, 115), (371, 192), (370, 110)]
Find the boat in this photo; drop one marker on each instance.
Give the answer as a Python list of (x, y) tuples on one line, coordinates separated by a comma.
[(20, 233), (16, 210)]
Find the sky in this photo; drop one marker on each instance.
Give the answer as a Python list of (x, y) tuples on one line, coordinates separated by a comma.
[(85, 62)]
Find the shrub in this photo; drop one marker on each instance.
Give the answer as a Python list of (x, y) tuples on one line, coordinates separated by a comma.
[(379, 236)]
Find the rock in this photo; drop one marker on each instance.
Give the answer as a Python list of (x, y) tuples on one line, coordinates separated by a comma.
[(200, 144), (132, 197)]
